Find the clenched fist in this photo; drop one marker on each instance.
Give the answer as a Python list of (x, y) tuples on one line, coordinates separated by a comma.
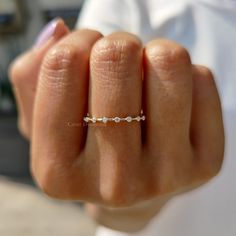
[(177, 148)]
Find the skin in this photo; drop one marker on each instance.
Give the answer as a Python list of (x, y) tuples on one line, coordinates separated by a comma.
[(124, 172)]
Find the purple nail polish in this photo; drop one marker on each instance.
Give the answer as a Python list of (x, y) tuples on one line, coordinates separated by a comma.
[(46, 33)]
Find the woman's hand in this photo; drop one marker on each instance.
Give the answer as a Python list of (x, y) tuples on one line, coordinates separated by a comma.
[(178, 147)]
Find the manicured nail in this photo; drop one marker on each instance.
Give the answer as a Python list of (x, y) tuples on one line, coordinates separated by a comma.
[(46, 33)]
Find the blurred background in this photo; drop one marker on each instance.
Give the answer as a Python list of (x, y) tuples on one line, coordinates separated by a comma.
[(23, 209)]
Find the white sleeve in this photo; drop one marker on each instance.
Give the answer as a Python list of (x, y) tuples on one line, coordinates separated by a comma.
[(105, 16)]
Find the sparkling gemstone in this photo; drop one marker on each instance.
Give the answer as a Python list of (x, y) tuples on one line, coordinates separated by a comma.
[(86, 119), (138, 118), (129, 118), (143, 117), (104, 119), (94, 119), (117, 119)]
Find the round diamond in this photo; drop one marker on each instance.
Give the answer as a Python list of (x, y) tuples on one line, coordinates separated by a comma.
[(138, 118), (143, 117), (94, 119), (117, 119), (104, 119), (129, 118), (86, 119)]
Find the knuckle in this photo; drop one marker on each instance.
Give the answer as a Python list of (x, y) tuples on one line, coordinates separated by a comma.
[(23, 128), (119, 187), (115, 194), (205, 72), (119, 200), (215, 167), (58, 64), (172, 171), (114, 52), (210, 159), (166, 54), (59, 58), (45, 184), (47, 188), (18, 70), (15, 72), (51, 179), (207, 171)]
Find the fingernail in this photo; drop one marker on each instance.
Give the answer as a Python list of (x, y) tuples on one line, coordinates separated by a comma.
[(46, 33)]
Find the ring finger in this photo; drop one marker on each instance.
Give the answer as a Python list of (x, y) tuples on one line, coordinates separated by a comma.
[(115, 91)]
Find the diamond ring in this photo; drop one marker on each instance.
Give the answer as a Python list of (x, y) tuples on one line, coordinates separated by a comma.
[(116, 119)]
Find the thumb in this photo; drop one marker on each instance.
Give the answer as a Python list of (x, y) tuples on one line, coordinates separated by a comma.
[(24, 71)]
